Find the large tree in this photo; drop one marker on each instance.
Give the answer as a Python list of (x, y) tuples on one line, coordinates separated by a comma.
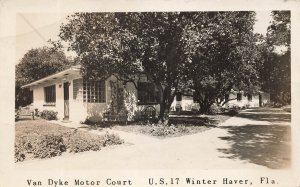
[(36, 64), (162, 53), (126, 44), (209, 50), (222, 55), (276, 69)]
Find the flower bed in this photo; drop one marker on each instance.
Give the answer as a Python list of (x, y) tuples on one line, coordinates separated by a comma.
[(176, 126)]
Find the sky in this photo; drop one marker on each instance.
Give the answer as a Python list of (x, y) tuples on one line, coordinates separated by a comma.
[(263, 21), (34, 30)]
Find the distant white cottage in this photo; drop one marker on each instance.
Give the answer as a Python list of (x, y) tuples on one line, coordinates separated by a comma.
[(235, 99), (239, 99)]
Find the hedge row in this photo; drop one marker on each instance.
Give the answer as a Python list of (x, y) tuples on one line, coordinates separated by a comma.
[(51, 145)]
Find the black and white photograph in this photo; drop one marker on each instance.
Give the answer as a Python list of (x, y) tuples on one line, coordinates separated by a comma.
[(156, 83), (201, 90)]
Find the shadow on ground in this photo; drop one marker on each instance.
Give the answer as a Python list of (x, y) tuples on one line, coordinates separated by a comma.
[(266, 145), (274, 115)]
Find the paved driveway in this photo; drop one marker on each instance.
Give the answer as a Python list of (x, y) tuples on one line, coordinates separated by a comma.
[(255, 139), (261, 136)]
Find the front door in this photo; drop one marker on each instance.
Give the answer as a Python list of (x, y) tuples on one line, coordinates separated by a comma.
[(66, 101)]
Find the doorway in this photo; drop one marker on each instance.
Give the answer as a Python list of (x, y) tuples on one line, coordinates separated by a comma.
[(66, 101)]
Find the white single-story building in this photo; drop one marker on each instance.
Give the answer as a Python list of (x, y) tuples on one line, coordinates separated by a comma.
[(235, 99), (241, 100), (184, 102), (76, 99)]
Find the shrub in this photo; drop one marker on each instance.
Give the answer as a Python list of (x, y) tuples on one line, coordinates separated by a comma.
[(36, 112), (111, 139), (214, 109), (88, 121), (162, 130), (232, 112), (36, 140), (81, 141), (48, 146), (166, 130), (49, 115), (38, 146), (20, 153), (24, 147), (130, 102), (183, 129)]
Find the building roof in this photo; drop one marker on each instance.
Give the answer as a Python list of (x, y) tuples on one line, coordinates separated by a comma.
[(61, 74)]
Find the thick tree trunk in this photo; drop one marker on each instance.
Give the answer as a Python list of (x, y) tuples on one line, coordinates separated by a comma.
[(204, 101), (204, 107), (164, 112), (165, 104)]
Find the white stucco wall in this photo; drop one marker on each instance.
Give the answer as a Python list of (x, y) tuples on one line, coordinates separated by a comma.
[(38, 97), (243, 102), (80, 111), (39, 101), (254, 103), (76, 110), (187, 103), (94, 111)]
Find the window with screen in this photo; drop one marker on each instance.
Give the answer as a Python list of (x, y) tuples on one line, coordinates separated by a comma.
[(147, 93), (94, 91), (49, 94)]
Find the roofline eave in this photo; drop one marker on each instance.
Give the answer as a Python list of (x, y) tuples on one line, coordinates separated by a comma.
[(56, 75)]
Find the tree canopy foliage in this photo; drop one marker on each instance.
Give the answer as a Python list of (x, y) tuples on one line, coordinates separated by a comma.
[(210, 52), (126, 44), (221, 56), (279, 32), (36, 64)]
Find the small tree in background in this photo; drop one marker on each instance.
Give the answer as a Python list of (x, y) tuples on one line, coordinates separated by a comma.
[(36, 64)]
